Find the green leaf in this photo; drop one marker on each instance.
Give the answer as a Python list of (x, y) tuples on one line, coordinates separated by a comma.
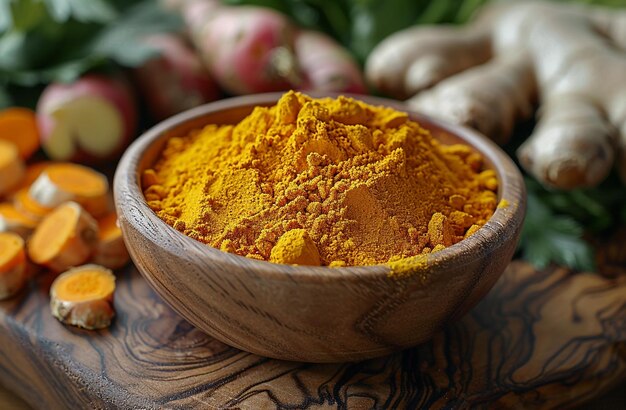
[(5, 15), (435, 12), (26, 14), (552, 238), (98, 11), (5, 98), (597, 209), (467, 10), (122, 40), (69, 71), (375, 20), (274, 4), (23, 50), (64, 72)]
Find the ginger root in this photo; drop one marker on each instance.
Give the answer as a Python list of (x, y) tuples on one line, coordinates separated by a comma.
[(569, 57)]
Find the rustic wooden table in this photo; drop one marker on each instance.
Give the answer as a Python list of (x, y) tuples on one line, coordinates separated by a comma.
[(540, 339)]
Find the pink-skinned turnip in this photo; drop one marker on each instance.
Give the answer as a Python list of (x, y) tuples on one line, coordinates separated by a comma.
[(247, 49), (175, 80), (89, 120), (326, 65)]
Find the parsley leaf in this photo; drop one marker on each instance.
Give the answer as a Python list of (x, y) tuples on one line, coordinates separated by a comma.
[(548, 237)]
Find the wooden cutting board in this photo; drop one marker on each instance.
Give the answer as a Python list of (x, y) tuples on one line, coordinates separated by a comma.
[(540, 339)]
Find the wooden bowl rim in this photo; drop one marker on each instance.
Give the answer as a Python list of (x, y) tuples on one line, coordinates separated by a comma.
[(502, 226)]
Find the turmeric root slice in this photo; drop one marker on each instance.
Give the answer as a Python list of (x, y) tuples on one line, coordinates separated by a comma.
[(65, 238), (11, 167), (111, 251), (12, 264), (64, 182), (19, 126), (12, 220), (31, 173), (83, 297), (27, 205)]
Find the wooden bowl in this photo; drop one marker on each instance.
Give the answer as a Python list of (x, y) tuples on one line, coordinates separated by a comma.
[(303, 313)]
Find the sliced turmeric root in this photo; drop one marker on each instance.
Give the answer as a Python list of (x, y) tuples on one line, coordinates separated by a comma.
[(12, 264), (64, 182), (19, 126), (66, 237), (12, 220), (31, 173), (11, 167), (27, 205), (111, 251), (83, 297)]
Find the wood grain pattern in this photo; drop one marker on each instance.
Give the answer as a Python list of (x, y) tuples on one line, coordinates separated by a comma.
[(315, 314), (538, 340)]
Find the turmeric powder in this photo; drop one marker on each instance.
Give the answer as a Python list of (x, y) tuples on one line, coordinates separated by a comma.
[(321, 181)]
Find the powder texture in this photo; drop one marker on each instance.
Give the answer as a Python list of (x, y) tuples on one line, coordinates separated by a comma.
[(321, 181)]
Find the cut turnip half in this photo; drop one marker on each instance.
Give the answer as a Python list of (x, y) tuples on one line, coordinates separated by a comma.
[(88, 123), (89, 120)]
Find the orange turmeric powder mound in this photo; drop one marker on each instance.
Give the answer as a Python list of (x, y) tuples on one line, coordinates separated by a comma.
[(359, 185)]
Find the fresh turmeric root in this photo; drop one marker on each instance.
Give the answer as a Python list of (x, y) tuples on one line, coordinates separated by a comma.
[(12, 220), (570, 57), (21, 197), (83, 297), (31, 173), (11, 167), (12, 264), (111, 251), (19, 126), (63, 182), (66, 237), (27, 205)]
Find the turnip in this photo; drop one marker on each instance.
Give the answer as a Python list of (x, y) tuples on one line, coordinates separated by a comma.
[(89, 120), (326, 65), (176, 80), (247, 49)]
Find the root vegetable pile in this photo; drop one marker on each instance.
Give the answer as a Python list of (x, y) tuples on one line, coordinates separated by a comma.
[(57, 216), (571, 58)]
